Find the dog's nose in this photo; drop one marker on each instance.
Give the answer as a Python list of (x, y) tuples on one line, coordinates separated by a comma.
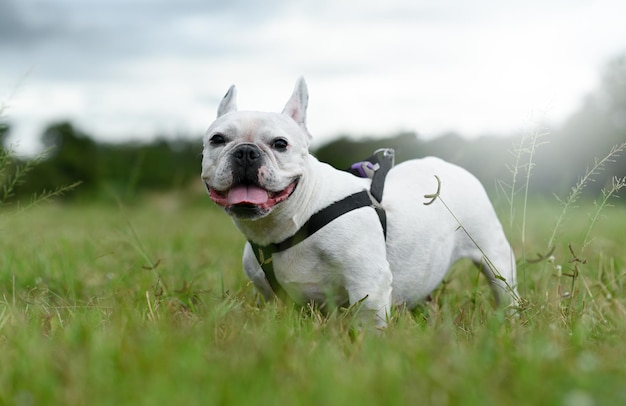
[(247, 154)]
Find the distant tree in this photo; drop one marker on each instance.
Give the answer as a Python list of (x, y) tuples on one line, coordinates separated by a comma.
[(74, 155), (344, 151), (70, 157), (4, 133)]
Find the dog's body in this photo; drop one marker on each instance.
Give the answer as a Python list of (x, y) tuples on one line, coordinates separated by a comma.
[(257, 166)]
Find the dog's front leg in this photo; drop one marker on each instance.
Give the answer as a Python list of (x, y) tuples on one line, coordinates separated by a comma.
[(369, 292), (368, 279)]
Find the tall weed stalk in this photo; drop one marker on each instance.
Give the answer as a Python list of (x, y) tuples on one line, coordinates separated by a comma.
[(13, 173), (521, 171), (566, 292), (579, 187), (529, 147)]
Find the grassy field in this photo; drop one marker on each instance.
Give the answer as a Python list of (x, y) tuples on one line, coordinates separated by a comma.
[(147, 304)]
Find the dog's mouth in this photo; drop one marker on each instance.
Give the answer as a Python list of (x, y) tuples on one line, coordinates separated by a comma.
[(250, 200)]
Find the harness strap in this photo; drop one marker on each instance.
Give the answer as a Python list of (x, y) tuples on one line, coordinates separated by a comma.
[(264, 253), (378, 180), (375, 167)]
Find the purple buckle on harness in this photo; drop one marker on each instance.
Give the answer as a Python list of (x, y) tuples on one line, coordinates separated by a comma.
[(364, 169)]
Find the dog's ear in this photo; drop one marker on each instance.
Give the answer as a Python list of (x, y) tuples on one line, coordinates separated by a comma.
[(229, 102), (297, 104)]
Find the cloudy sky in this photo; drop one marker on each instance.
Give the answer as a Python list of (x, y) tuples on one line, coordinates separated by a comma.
[(127, 69)]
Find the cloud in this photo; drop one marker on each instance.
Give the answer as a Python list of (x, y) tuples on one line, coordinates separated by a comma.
[(120, 67), (112, 31), (19, 27)]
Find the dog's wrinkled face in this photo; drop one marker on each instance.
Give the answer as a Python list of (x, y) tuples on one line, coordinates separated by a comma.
[(252, 161)]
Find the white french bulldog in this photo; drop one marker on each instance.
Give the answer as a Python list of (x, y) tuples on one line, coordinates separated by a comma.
[(257, 166)]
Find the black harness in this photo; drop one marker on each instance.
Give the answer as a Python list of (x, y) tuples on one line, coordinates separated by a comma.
[(377, 166)]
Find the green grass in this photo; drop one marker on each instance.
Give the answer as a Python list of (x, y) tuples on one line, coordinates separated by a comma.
[(148, 304)]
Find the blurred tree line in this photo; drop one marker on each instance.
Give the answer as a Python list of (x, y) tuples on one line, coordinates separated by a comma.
[(559, 160), (105, 170)]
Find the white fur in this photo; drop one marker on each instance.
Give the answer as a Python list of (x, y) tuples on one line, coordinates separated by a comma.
[(349, 260)]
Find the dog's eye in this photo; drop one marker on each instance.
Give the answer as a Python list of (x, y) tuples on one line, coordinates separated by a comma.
[(280, 144), (217, 139)]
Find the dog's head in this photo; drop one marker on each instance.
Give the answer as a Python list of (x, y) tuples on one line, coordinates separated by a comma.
[(252, 161)]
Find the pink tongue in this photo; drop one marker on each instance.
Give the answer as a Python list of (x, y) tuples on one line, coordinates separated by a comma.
[(247, 194)]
